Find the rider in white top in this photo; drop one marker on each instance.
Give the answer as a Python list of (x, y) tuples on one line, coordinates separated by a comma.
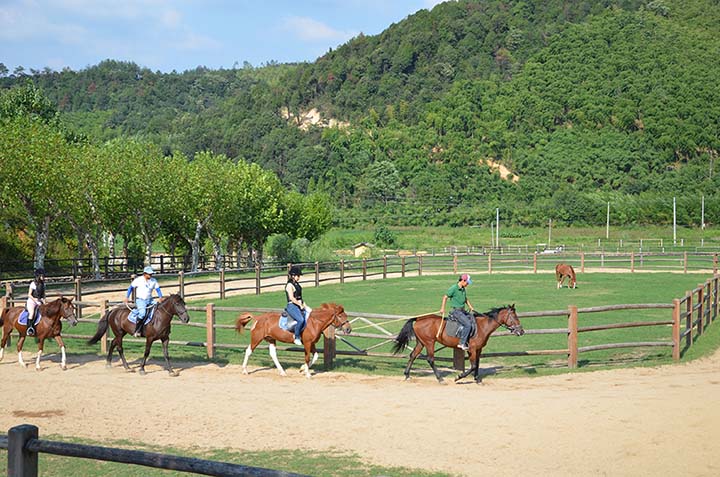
[(36, 297), (144, 286)]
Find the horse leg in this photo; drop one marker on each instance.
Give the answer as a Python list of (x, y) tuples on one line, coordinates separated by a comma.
[(21, 341), (306, 365), (167, 357), (472, 368), (111, 348), (431, 361), (273, 355), (121, 352), (254, 342), (41, 346), (414, 354), (476, 366), (61, 344), (148, 345), (4, 341)]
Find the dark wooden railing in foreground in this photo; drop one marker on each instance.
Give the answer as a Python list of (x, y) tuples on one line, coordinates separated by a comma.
[(23, 448)]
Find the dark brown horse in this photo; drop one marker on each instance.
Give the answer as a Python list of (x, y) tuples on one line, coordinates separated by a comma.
[(157, 329), (563, 271), (49, 326), (428, 329), (266, 328)]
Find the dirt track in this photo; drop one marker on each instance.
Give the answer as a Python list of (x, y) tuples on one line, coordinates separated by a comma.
[(645, 421)]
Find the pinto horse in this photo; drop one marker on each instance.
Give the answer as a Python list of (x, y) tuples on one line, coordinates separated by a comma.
[(563, 271), (266, 327), (157, 329), (427, 329), (49, 326)]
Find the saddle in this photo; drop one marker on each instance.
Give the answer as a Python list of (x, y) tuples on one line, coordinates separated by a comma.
[(287, 322), (454, 328), (23, 318), (149, 313)]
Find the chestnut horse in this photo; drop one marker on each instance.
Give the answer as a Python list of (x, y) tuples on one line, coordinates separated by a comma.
[(266, 328), (49, 326), (563, 271), (157, 329), (427, 329)]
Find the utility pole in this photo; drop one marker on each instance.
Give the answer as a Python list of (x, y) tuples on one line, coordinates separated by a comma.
[(674, 223), (607, 225), (549, 231), (497, 227)]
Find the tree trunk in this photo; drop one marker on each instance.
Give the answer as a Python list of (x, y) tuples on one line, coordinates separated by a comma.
[(217, 248), (111, 245), (42, 235), (126, 252), (95, 254)]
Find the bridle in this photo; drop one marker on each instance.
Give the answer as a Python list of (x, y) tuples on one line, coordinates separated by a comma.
[(335, 318)]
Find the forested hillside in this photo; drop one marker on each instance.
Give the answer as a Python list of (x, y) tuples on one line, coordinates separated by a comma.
[(587, 102)]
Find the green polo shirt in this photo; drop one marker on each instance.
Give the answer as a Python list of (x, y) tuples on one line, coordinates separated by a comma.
[(457, 295)]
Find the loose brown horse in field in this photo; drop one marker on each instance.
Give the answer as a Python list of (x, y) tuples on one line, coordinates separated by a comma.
[(266, 327), (428, 329), (563, 271), (157, 329), (49, 326)]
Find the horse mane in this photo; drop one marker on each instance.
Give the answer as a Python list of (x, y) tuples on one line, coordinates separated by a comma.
[(494, 312), (53, 307)]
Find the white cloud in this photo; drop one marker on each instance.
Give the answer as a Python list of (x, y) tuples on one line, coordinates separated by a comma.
[(309, 29), (27, 23), (194, 42), (171, 18)]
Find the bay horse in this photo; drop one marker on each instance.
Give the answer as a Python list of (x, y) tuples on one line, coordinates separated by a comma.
[(266, 327), (563, 271), (49, 326), (158, 329), (427, 329)]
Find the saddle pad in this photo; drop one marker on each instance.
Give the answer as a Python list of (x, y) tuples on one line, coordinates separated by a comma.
[(132, 317), (23, 318), (451, 328)]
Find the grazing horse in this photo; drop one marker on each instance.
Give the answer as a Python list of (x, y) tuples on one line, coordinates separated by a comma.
[(157, 329), (428, 329), (266, 327), (49, 326), (563, 271)]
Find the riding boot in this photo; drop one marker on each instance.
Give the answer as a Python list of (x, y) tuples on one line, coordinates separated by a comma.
[(30, 328), (138, 328)]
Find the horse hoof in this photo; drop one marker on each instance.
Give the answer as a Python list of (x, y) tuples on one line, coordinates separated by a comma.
[(174, 374), (407, 378), (245, 371), (142, 372), (283, 374), (108, 365)]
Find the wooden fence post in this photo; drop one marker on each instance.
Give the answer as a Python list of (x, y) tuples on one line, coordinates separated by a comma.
[(222, 283), (572, 336), (455, 267), (490, 262), (458, 359), (688, 318), (181, 284), (210, 327), (685, 262), (701, 309), (535, 261), (317, 274), (715, 300), (384, 267), (104, 338), (22, 463), (342, 270), (582, 262), (364, 268), (257, 279), (403, 266), (420, 265), (78, 298), (632, 262), (676, 329), (329, 347)]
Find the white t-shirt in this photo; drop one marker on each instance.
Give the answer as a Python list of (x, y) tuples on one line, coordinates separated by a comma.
[(144, 288)]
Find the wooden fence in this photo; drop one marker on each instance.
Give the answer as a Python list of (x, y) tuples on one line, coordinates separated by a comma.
[(24, 446), (688, 318)]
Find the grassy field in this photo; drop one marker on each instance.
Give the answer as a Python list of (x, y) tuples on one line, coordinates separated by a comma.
[(416, 295)]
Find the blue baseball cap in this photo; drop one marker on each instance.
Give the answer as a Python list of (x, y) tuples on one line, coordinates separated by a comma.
[(466, 278)]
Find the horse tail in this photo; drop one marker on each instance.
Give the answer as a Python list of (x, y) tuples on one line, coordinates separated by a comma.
[(241, 321), (101, 329), (2, 312), (406, 334)]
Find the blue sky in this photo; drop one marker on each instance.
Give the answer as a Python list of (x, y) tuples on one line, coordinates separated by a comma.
[(178, 35)]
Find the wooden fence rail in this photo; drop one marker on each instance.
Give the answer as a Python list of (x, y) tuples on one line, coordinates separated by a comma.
[(23, 448)]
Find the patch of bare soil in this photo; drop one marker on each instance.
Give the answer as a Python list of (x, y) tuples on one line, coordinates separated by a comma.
[(644, 421)]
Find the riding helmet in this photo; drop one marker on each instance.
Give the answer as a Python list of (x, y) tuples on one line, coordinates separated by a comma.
[(295, 270)]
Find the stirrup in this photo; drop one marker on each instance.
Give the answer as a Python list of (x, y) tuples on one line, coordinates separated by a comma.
[(30, 331)]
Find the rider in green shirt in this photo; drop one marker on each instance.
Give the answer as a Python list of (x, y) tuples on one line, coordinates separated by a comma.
[(458, 299)]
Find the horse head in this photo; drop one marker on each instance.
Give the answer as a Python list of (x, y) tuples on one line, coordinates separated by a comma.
[(66, 310), (340, 318), (178, 307), (510, 320)]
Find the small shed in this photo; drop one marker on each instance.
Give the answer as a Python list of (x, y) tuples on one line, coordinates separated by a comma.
[(361, 249)]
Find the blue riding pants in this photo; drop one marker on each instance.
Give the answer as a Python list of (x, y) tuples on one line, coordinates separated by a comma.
[(141, 306), (298, 315)]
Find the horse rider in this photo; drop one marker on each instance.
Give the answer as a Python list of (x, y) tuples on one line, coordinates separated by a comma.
[(36, 297), (296, 307), (458, 299), (144, 286)]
